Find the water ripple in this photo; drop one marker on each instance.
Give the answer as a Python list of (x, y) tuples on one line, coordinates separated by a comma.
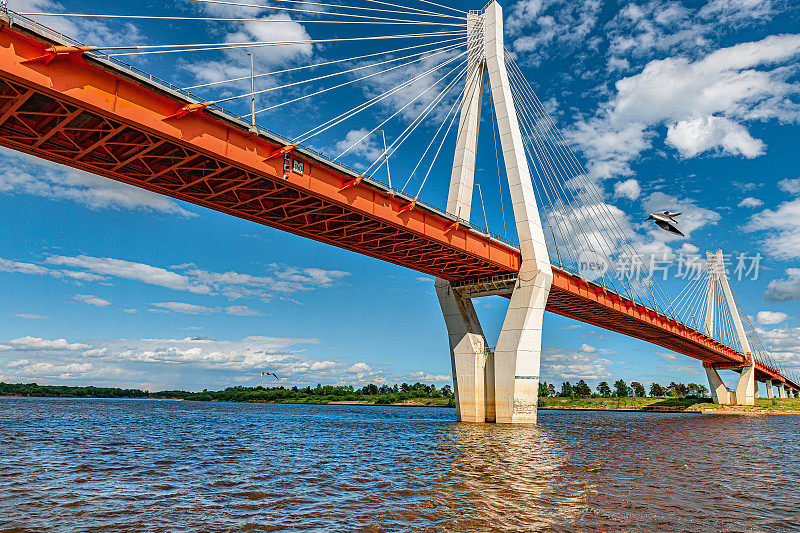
[(140, 465)]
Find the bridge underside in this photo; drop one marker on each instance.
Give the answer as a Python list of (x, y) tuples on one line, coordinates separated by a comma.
[(88, 114)]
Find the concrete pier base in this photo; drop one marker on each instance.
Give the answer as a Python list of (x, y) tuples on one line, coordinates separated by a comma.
[(720, 394), (770, 389), (746, 388), (470, 358), (782, 391)]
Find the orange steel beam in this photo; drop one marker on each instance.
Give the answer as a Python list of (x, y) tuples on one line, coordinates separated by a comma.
[(84, 112)]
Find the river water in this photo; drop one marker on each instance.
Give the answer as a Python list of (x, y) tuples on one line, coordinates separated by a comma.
[(143, 465)]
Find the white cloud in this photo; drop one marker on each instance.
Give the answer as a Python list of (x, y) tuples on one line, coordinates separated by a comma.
[(792, 186), (425, 377), (705, 105), (359, 368), (242, 310), (770, 317), (704, 134), (36, 343), (24, 174), (368, 149), (31, 316), (233, 285), (132, 271), (784, 290), (587, 348), (182, 307), (629, 189), (556, 25), (7, 265), (91, 300), (783, 345), (750, 202), (782, 225)]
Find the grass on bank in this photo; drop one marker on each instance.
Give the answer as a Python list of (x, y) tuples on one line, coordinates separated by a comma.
[(667, 404)]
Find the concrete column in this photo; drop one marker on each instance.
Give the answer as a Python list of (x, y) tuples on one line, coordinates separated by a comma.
[(518, 351), (770, 389), (470, 358), (757, 394), (782, 391), (746, 388), (459, 197), (719, 392)]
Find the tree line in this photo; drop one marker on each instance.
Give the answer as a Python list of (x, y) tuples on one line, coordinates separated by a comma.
[(623, 390), (380, 394)]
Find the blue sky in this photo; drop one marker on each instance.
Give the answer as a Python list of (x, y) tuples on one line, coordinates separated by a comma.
[(670, 105)]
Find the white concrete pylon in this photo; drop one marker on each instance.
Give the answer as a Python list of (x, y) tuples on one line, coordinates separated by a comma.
[(518, 352), (782, 390), (515, 371), (745, 393), (770, 389), (459, 197)]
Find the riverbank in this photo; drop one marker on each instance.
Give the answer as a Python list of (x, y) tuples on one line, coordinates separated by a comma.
[(775, 406)]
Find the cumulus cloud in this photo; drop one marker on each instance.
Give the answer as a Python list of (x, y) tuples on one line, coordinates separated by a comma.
[(24, 174), (782, 227), (557, 25), (786, 289), (37, 343), (629, 189), (792, 186), (783, 345), (770, 317), (750, 202), (186, 277), (704, 134), (704, 104), (367, 149)]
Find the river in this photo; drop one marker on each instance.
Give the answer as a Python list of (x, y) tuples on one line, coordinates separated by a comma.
[(145, 465)]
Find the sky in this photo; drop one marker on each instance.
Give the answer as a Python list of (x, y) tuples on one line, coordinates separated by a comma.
[(687, 106)]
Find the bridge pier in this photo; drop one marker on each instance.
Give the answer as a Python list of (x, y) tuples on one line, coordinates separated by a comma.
[(770, 389), (720, 394), (471, 360), (746, 388), (503, 387)]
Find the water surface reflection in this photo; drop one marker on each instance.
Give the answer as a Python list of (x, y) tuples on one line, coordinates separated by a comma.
[(130, 465)]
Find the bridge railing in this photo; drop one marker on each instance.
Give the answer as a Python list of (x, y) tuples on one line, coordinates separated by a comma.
[(242, 121)]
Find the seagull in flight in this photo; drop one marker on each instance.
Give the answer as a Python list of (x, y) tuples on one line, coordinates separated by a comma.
[(666, 221), (265, 373)]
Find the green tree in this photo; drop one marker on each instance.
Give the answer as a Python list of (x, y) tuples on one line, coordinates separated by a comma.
[(620, 388), (543, 390), (582, 389), (566, 389), (657, 391), (603, 389), (676, 390), (551, 390), (638, 389)]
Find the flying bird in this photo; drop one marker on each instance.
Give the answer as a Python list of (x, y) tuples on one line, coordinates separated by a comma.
[(666, 221), (270, 374)]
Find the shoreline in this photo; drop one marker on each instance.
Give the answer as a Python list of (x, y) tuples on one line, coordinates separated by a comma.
[(763, 406)]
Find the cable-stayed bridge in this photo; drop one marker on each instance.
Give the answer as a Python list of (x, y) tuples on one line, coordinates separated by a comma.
[(82, 106)]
